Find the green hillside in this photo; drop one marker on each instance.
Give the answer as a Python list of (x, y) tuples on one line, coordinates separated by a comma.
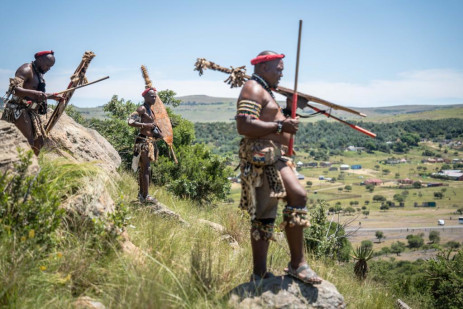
[(202, 108)]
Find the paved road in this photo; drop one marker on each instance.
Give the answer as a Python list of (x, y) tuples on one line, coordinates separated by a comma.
[(398, 229)]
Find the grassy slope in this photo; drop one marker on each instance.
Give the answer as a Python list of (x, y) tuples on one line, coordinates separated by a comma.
[(165, 276)]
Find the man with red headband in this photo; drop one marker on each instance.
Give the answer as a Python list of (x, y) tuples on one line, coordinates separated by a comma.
[(26, 98), (266, 173), (145, 149)]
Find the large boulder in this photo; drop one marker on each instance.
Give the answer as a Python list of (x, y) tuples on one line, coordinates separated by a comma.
[(74, 141), (11, 139), (285, 292)]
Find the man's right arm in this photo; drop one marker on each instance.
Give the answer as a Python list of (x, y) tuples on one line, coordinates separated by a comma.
[(251, 125)]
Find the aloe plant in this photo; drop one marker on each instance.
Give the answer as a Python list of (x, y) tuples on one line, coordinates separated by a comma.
[(362, 254)]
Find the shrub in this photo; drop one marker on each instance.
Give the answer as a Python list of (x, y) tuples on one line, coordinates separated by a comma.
[(368, 244), (415, 241), (326, 239), (29, 209), (444, 275), (379, 198), (434, 237)]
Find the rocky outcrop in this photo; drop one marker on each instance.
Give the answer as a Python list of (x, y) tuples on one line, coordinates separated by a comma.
[(92, 200), (285, 292), (74, 141), (161, 210), (85, 302), (221, 230), (10, 140)]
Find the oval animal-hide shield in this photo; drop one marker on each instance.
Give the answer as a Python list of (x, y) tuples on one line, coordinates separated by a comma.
[(163, 121)]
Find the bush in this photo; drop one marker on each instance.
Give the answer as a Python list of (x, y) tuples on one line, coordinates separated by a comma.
[(29, 209), (452, 244), (200, 175), (368, 244), (415, 241), (379, 198), (445, 278), (434, 237), (326, 239)]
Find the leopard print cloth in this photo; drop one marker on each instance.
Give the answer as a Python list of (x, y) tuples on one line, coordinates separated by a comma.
[(252, 173)]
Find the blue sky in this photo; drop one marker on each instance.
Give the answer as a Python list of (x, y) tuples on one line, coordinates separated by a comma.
[(356, 53)]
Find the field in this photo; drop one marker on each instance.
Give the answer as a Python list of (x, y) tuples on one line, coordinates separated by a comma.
[(396, 223)]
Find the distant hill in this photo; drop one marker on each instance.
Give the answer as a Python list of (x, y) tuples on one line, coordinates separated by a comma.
[(203, 108)]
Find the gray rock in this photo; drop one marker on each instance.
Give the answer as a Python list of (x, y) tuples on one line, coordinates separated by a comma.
[(88, 303), (285, 292), (161, 210), (10, 140), (74, 141)]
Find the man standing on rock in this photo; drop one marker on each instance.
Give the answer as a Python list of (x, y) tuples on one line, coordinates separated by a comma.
[(29, 99), (266, 173), (145, 149)]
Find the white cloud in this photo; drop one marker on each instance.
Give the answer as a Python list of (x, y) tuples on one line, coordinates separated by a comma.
[(429, 86), (417, 87)]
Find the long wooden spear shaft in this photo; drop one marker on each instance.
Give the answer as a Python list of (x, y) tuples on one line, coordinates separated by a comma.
[(81, 86), (294, 103)]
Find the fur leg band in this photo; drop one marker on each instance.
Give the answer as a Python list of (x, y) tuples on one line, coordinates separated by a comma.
[(293, 216), (263, 229)]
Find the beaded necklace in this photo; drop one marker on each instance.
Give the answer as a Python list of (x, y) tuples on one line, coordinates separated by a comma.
[(263, 83)]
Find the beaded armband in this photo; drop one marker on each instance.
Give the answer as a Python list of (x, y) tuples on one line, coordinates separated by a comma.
[(293, 216), (249, 108)]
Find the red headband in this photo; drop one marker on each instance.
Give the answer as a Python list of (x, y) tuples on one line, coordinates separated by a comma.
[(146, 91), (43, 53), (265, 58)]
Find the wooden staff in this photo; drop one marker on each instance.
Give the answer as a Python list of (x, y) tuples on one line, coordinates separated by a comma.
[(81, 86), (294, 105)]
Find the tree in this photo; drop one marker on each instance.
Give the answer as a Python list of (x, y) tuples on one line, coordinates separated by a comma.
[(398, 197), (460, 211), (452, 244), (366, 244), (438, 195), (379, 198), (384, 207), (417, 185), (366, 213), (348, 188), (434, 237), (309, 183), (415, 241), (397, 247), (385, 250), (379, 235), (349, 210)]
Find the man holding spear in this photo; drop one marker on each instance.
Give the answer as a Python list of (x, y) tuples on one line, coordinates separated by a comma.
[(266, 172), (29, 99)]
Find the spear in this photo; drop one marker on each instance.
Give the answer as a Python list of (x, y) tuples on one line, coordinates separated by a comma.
[(294, 103), (80, 86), (238, 76)]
